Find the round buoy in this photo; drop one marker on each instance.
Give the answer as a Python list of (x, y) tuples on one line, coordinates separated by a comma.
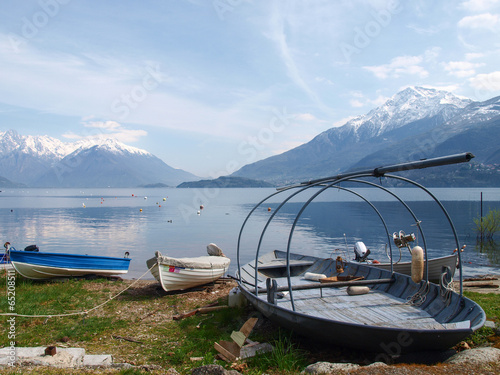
[(374, 261), (164, 199), (159, 205), (198, 212), (269, 209), (140, 210), (417, 264), (201, 207)]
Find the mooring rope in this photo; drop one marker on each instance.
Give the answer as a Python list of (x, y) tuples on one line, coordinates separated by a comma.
[(85, 312), (446, 287), (419, 298)]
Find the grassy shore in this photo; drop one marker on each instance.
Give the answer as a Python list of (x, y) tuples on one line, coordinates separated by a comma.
[(137, 326)]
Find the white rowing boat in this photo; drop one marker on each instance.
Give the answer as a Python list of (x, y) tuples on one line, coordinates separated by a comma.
[(184, 273)]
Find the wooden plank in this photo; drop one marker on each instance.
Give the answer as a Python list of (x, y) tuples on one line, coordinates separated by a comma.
[(248, 326), (228, 350)]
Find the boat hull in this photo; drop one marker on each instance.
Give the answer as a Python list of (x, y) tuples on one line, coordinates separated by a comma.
[(174, 278), (41, 265), (435, 266), (381, 321)]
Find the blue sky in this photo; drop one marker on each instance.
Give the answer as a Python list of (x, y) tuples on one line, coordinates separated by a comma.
[(211, 85)]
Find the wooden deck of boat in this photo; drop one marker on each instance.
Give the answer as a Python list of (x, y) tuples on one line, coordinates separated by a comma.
[(376, 308)]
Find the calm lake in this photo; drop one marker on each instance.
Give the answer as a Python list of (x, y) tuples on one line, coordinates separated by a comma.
[(141, 221)]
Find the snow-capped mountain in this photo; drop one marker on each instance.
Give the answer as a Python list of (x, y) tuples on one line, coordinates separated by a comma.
[(414, 123), (47, 162), (40, 146), (409, 105)]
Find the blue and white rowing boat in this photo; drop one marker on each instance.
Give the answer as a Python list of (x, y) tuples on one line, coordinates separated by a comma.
[(41, 265)]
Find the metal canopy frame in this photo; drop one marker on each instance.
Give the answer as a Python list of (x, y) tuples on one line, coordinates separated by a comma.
[(324, 184)]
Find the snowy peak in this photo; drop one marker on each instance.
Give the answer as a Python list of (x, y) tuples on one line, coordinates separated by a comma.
[(41, 146), (42, 161), (411, 104), (109, 145), (52, 148)]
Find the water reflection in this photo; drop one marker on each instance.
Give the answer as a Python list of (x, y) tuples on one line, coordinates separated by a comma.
[(490, 249), (112, 222)]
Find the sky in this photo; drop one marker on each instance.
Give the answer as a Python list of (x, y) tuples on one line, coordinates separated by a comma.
[(209, 86)]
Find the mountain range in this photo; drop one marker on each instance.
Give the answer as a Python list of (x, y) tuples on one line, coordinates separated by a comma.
[(42, 161), (416, 123)]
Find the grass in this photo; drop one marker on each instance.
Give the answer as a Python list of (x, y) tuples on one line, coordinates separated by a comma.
[(137, 327), (491, 305)]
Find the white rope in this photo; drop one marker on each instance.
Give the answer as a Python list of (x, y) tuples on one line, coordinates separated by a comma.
[(85, 312)]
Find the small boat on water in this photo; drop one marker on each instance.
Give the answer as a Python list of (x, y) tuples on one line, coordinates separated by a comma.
[(184, 273), (34, 264), (353, 304)]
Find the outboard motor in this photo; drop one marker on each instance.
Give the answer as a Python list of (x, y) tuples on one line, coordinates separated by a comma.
[(31, 248), (360, 251)]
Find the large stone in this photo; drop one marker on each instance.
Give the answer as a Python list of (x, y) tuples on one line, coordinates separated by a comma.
[(97, 360), (64, 357), (328, 368), (476, 355), (213, 370)]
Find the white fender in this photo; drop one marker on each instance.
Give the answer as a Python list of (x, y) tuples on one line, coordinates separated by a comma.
[(357, 290), (417, 264), (314, 276)]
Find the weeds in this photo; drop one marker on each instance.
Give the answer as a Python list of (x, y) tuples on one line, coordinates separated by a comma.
[(286, 356)]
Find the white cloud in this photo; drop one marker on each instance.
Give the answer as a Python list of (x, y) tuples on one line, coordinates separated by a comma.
[(479, 5), (428, 31), (481, 21), (355, 103), (359, 100), (473, 56), (461, 69), (305, 117), (107, 129), (489, 82), (401, 65)]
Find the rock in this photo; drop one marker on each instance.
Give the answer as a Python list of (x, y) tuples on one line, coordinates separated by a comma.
[(476, 356), (327, 368), (377, 365), (65, 357), (490, 324), (122, 365), (95, 360), (172, 371), (213, 370)]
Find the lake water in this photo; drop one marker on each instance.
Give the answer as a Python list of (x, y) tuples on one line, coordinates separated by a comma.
[(142, 221)]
